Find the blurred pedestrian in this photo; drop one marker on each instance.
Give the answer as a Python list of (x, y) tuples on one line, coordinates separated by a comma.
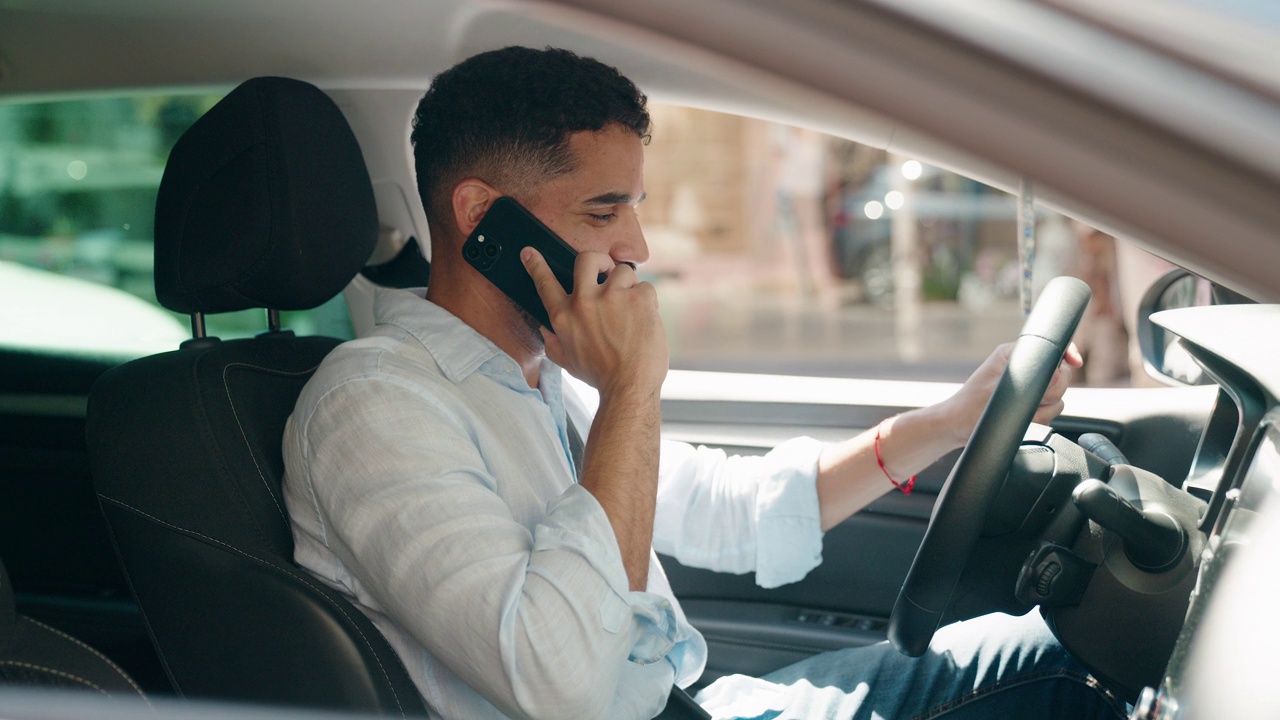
[(1102, 337)]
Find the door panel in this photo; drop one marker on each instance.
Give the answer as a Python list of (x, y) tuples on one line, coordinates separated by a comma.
[(53, 539), (846, 601)]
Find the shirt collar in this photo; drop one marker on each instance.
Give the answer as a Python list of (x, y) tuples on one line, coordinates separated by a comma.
[(456, 347)]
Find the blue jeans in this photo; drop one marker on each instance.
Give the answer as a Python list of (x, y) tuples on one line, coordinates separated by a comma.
[(988, 668)]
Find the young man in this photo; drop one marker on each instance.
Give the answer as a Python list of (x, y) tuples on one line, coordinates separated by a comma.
[(434, 473)]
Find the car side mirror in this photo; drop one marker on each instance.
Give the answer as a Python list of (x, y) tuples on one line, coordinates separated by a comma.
[(1163, 355)]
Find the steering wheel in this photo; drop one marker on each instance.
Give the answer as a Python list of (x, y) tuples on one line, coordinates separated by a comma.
[(961, 508)]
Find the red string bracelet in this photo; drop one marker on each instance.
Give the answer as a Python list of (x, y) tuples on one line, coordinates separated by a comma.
[(905, 487)]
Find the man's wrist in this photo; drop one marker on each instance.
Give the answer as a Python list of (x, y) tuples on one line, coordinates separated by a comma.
[(630, 394), (932, 429)]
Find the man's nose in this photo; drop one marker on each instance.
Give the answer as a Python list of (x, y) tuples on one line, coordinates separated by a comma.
[(631, 248)]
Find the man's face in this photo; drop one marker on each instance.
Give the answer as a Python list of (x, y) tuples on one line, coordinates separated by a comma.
[(593, 208)]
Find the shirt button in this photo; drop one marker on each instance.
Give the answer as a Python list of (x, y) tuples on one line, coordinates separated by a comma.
[(510, 367)]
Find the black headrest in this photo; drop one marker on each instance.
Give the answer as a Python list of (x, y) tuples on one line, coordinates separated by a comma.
[(265, 202)]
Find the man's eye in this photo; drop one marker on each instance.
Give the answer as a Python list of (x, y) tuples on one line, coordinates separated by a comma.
[(603, 218)]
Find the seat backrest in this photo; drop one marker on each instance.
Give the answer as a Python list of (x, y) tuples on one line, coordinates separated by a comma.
[(34, 654), (265, 203)]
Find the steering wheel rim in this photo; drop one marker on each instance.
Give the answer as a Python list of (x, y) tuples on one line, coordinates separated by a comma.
[(961, 508)]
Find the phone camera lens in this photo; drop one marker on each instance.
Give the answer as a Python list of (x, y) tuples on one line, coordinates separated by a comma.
[(491, 250), (472, 252)]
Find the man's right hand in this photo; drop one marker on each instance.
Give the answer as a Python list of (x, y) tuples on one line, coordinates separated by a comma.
[(609, 335)]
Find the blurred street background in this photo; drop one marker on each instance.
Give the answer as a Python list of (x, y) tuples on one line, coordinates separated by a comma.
[(774, 249), (781, 250)]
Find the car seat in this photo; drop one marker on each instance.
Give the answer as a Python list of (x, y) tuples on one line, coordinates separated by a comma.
[(34, 654), (265, 203)]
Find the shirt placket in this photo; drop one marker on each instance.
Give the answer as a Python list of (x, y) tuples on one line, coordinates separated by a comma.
[(548, 395)]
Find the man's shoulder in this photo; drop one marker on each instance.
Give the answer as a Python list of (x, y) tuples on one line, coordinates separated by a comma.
[(388, 357)]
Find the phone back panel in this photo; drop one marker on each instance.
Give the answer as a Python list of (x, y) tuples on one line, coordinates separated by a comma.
[(494, 250)]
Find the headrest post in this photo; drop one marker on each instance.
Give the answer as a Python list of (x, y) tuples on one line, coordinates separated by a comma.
[(273, 320), (197, 325)]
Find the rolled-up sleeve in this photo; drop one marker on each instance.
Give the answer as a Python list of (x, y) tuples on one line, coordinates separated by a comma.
[(741, 514), (534, 613)]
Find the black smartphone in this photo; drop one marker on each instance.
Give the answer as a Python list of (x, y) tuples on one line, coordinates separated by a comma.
[(494, 249)]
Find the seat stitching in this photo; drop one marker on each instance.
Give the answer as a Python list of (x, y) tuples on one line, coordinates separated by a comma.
[(301, 578), (234, 413), (146, 619), (104, 658), (52, 671)]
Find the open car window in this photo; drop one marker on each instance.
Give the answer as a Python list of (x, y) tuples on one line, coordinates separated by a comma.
[(785, 251)]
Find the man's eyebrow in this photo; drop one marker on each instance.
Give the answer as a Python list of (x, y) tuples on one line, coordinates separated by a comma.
[(615, 198)]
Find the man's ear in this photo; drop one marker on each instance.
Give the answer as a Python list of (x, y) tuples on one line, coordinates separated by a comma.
[(471, 200)]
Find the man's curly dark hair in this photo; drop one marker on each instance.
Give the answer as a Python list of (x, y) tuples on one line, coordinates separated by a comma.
[(505, 117)]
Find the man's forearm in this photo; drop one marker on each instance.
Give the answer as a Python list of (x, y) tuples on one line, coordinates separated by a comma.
[(620, 468), (849, 478)]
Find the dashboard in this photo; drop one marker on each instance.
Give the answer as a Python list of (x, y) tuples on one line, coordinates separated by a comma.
[(1220, 666)]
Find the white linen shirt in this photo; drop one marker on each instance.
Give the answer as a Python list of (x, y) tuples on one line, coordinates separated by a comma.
[(428, 483)]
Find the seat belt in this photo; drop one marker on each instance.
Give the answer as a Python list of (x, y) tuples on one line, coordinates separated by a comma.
[(682, 707), (679, 705), (576, 447)]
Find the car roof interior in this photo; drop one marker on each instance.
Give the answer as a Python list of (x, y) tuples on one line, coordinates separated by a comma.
[(980, 91)]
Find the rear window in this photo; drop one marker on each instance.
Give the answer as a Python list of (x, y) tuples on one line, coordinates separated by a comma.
[(78, 182)]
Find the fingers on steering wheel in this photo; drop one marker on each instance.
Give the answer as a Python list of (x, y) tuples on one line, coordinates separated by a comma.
[(1045, 413), (1059, 383), (1051, 405), (1072, 356)]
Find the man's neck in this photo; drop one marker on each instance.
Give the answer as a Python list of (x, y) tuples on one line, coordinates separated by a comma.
[(483, 307)]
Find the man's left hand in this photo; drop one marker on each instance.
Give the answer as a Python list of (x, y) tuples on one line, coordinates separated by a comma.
[(966, 406)]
